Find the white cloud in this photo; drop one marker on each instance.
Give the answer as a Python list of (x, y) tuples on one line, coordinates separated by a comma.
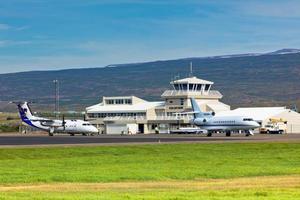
[(21, 28), (283, 9), (6, 43), (4, 27)]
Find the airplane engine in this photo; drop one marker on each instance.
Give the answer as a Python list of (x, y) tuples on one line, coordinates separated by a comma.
[(200, 121), (209, 114)]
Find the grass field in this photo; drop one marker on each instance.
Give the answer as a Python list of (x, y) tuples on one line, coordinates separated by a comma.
[(174, 171), (9, 122)]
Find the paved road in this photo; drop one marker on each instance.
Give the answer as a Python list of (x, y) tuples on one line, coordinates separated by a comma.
[(21, 140)]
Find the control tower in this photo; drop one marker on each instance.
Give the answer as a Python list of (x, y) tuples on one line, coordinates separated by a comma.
[(178, 98)]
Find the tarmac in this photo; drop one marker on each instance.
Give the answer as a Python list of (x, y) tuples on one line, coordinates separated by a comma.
[(13, 140)]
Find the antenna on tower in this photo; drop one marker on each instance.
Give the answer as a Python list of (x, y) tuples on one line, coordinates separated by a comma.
[(191, 69), (56, 83)]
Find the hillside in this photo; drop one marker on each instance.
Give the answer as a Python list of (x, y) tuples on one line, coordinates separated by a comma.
[(245, 80)]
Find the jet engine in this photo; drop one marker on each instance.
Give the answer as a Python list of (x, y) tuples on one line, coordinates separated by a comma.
[(199, 121)]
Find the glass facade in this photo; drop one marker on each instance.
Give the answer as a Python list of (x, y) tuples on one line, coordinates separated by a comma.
[(192, 87)]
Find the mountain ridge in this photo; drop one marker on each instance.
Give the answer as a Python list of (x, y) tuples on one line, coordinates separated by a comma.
[(264, 80), (277, 52)]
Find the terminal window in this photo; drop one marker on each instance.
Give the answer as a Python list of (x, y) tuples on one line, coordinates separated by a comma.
[(128, 101), (110, 101), (103, 115), (119, 101)]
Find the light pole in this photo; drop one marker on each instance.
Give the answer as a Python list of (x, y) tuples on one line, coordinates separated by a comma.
[(56, 109)]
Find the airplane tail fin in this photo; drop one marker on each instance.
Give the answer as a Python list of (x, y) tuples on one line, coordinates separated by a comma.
[(24, 111), (196, 109)]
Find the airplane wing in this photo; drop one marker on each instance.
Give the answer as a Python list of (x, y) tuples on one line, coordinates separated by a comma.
[(195, 112), (43, 120), (49, 122)]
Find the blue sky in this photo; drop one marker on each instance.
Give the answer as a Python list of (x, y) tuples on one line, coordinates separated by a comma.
[(58, 34)]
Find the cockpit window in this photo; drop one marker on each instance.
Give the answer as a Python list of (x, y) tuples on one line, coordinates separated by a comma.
[(247, 119)]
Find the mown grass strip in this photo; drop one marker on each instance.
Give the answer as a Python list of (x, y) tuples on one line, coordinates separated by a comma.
[(148, 162)]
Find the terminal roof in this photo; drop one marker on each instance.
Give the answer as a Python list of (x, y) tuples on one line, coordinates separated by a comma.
[(257, 113), (139, 107)]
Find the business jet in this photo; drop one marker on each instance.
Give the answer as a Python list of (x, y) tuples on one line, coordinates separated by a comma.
[(71, 127), (210, 122)]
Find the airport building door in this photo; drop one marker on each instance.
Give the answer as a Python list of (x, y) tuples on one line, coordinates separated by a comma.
[(141, 128)]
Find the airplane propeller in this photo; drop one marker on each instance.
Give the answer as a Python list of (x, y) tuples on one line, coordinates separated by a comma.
[(63, 122)]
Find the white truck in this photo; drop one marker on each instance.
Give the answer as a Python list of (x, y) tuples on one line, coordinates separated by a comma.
[(274, 126)]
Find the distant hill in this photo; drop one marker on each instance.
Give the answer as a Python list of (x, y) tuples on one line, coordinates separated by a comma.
[(244, 80)]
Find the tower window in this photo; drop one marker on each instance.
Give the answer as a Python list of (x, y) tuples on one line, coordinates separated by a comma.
[(207, 87), (199, 87), (176, 86)]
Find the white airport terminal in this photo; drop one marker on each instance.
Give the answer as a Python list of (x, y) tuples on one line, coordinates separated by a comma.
[(132, 115)]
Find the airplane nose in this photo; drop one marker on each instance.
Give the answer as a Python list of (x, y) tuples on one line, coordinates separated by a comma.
[(256, 124), (95, 130)]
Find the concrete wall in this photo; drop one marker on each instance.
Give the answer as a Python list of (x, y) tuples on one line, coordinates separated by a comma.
[(121, 128)]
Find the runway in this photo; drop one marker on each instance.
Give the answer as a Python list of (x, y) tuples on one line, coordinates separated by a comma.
[(32, 140)]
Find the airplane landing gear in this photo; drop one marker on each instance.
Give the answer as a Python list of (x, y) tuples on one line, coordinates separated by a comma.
[(51, 131), (209, 134), (249, 133)]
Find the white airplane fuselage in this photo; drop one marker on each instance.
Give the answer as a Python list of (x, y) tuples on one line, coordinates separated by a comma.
[(218, 123)]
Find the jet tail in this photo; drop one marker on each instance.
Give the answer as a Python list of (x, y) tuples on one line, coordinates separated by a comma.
[(24, 111), (196, 109)]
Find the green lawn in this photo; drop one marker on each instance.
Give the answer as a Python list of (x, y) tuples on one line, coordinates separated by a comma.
[(167, 172), (147, 162), (9, 122)]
